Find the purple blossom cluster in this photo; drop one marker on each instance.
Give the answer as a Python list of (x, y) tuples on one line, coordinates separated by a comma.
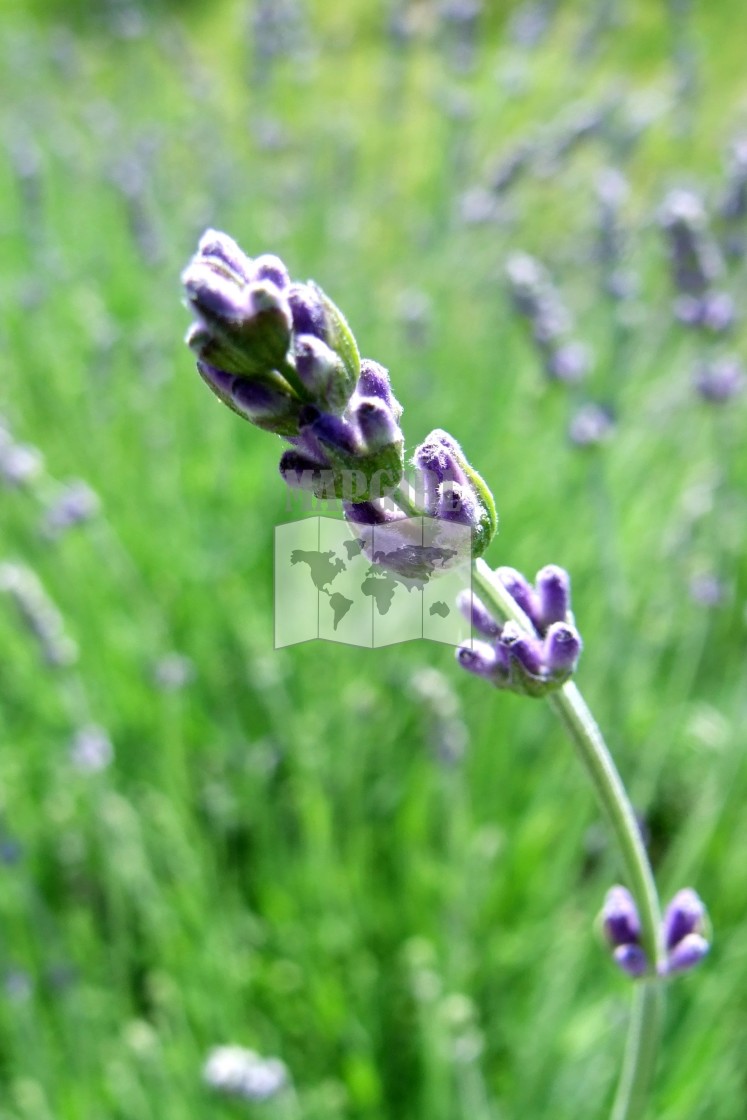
[(695, 263), (537, 300), (683, 929), (720, 380), (39, 615), (511, 657), (281, 355), (446, 489)]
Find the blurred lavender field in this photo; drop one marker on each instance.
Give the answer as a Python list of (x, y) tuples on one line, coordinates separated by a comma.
[(339, 884)]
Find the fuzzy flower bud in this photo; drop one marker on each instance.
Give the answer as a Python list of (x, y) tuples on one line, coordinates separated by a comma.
[(541, 656), (484, 660), (561, 650), (253, 324), (693, 256), (684, 925), (620, 920), (322, 373), (687, 953), (357, 456), (631, 959), (222, 253), (374, 382), (553, 590), (453, 490), (266, 404), (244, 327), (475, 611), (685, 914), (622, 929), (522, 592), (525, 651), (720, 380)]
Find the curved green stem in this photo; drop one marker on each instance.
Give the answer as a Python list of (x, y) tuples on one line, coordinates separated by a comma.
[(573, 712), (640, 1052)]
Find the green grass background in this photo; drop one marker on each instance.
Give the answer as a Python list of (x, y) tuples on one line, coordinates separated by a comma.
[(276, 856)]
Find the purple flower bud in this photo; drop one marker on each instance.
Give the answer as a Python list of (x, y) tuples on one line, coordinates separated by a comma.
[(685, 914), (263, 295), (74, 505), (373, 381), (620, 920), (377, 425), (592, 424), (20, 463), (212, 295), (686, 954), (457, 503), (694, 258), (484, 661), (631, 959), (553, 588), (719, 381), (689, 310), (216, 379), (303, 473), (568, 363), (242, 328), (453, 491), (371, 513), (307, 310), (562, 649), (475, 611), (520, 590), (322, 372), (221, 248), (336, 435), (438, 462), (523, 649), (265, 405), (718, 312), (270, 267)]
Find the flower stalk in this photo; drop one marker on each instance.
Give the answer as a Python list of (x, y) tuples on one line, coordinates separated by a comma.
[(283, 357), (571, 709)]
